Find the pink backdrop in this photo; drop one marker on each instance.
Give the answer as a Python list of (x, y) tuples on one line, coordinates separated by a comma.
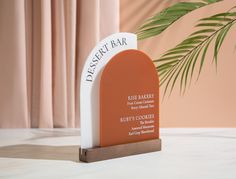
[(210, 102), (43, 45)]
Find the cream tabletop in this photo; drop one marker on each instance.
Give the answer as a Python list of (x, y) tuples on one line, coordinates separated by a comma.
[(53, 153)]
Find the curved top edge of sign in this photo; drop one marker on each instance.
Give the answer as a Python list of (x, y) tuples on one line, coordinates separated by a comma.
[(101, 43)]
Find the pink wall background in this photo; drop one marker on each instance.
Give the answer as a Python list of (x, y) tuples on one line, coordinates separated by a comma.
[(211, 101)]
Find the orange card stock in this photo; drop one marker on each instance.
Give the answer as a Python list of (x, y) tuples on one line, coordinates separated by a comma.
[(129, 99)]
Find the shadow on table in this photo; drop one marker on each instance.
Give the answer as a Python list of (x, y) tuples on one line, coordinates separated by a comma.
[(28, 151)]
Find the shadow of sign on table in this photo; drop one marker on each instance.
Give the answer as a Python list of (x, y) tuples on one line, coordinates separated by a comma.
[(29, 151)]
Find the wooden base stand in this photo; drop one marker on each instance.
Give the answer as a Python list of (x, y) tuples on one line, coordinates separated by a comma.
[(122, 150)]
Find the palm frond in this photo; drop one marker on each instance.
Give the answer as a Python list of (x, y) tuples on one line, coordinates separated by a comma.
[(179, 63), (161, 21)]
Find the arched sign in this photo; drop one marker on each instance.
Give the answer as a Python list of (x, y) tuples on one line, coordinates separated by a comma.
[(129, 99)]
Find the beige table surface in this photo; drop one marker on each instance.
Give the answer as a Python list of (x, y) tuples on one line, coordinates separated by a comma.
[(53, 153)]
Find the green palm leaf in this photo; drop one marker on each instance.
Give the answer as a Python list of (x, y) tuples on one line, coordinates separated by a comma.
[(179, 63), (161, 21)]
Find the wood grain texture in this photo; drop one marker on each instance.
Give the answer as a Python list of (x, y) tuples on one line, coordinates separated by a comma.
[(116, 151)]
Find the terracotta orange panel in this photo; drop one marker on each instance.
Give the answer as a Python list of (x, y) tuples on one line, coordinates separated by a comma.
[(129, 99)]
